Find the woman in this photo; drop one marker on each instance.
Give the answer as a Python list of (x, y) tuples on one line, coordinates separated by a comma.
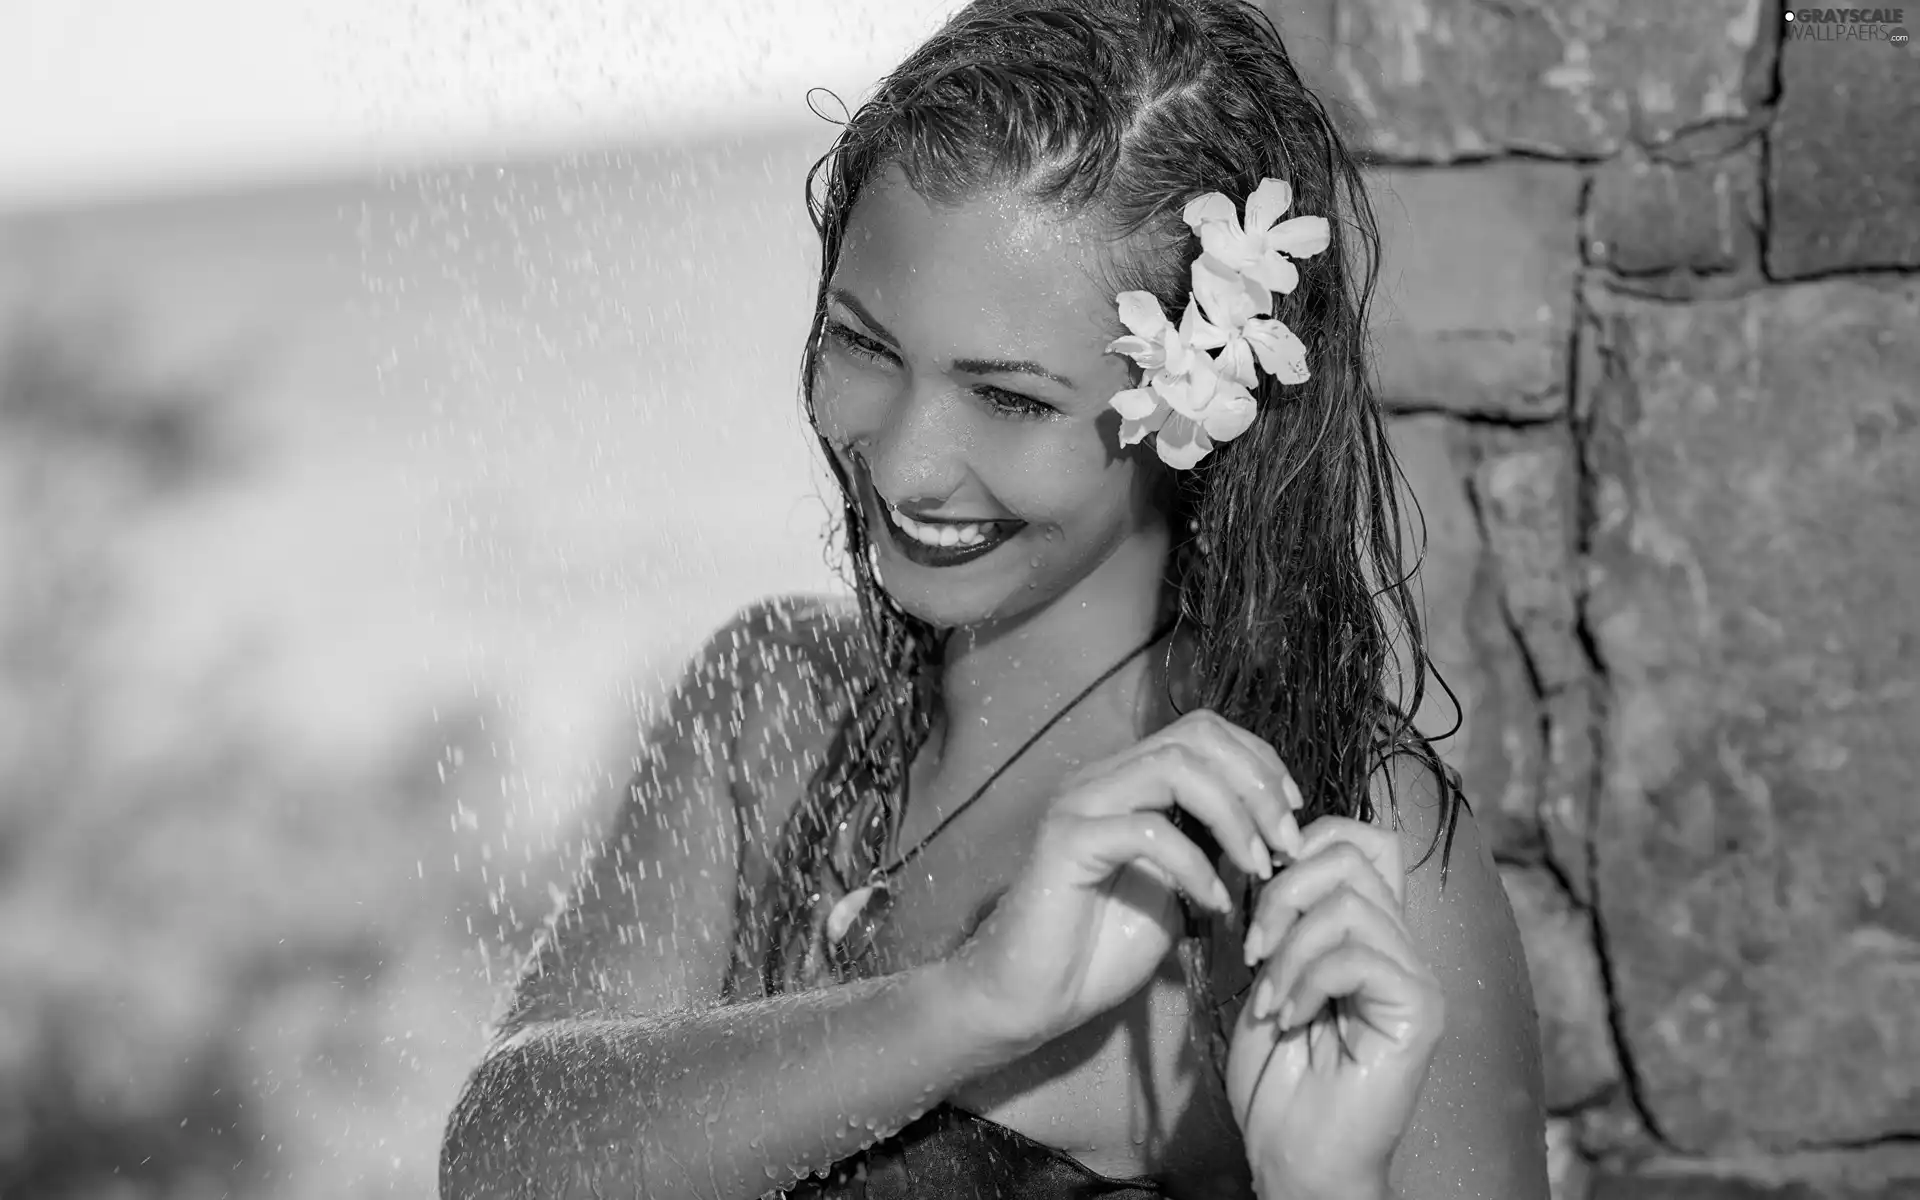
[(1092, 853)]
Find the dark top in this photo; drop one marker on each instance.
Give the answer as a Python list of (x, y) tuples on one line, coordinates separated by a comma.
[(952, 1154)]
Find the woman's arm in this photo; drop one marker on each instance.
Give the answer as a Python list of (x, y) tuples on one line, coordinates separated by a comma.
[(728, 1102), (616, 1073), (1479, 1129), (1427, 1086)]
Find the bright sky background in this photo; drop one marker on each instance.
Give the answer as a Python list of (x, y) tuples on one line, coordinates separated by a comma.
[(106, 98)]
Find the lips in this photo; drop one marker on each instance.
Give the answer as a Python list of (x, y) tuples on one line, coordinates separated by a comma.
[(996, 534)]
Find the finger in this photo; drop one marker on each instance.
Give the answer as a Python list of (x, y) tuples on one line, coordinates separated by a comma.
[(1257, 767), (1402, 1005), (1099, 846), (1263, 751), (1344, 917), (1175, 772), (1380, 845), (1306, 883)]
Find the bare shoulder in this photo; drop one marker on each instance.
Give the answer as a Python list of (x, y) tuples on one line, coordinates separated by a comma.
[(776, 659), (809, 633), (794, 636), (649, 928), (1454, 893), (1481, 1117), (1418, 799), (799, 663)]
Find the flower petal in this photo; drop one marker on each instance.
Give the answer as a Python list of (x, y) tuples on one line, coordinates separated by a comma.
[(1135, 404), (1273, 272), (1259, 296), (1269, 202), (1302, 237), (1141, 313), (1189, 395), (1223, 294), (1176, 357), (1282, 354), (1231, 415), (1172, 390), (1145, 354), (1182, 444), (1235, 362), (1141, 413), (1226, 243), (1199, 333), (1213, 206), (1132, 433)]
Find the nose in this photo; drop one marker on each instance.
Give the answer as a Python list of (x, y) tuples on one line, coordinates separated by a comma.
[(916, 455)]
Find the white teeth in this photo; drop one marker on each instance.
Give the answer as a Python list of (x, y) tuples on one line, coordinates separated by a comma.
[(941, 535)]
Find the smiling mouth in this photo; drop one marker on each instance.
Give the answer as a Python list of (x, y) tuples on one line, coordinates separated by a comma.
[(944, 543)]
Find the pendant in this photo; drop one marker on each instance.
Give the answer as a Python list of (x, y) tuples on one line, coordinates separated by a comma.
[(847, 909)]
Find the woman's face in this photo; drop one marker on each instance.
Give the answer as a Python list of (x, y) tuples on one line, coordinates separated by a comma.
[(963, 381)]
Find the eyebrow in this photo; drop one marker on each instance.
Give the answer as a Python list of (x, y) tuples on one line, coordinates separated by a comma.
[(970, 366)]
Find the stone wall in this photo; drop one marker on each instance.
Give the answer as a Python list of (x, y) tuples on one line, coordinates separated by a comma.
[(1650, 316)]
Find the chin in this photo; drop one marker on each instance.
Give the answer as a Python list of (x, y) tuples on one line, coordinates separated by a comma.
[(954, 604)]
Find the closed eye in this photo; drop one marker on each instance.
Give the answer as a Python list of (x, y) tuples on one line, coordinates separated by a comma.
[(858, 344), (1000, 401), (1013, 404)]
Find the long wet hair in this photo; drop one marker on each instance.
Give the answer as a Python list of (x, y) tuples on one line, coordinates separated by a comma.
[(1119, 112)]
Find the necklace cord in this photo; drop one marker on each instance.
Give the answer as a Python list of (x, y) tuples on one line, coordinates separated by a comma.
[(882, 873)]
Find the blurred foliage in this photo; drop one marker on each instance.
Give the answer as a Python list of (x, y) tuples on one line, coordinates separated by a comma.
[(228, 972)]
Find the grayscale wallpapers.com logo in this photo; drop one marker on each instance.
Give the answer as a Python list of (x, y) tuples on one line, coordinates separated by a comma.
[(1887, 25)]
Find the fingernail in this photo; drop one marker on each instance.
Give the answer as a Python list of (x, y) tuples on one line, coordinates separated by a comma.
[(1294, 799), (1291, 839), (1221, 898), (1250, 951), (1262, 865), (1261, 995), (1285, 1015)]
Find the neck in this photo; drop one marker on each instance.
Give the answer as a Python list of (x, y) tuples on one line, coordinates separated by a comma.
[(1000, 679)]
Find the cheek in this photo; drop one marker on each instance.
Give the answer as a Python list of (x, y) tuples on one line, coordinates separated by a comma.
[(848, 402), (1078, 487)]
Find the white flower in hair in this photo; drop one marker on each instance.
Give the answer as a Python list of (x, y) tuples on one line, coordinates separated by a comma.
[(1153, 343), (1259, 249), (1184, 400), (1190, 399), (1237, 305)]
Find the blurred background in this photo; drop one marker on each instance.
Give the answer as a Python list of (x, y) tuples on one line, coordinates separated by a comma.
[(391, 393)]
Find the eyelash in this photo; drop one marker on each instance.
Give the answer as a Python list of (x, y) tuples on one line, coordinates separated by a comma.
[(1002, 402)]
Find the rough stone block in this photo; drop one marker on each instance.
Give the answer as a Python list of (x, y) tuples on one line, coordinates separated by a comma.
[(1568, 989), (1567, 786), (1307, 28), (1751, 597), (1843, 179), (1445, 541), (1873, 1173), (1496, 745), (1475, 308), (1523, 487), (1612, 1131), (1438, 80), (1645, 216), (1569, 1177)]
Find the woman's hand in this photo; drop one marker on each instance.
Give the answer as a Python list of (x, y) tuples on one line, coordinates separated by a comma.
[(1096, 909), (1329, 1055)]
